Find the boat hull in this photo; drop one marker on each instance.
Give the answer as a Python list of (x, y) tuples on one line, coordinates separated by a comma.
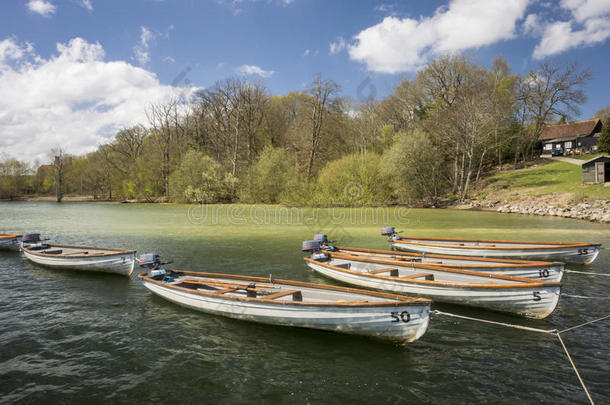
[(376, 322), (531, 302), (579, 255), (121, 264), (10, 242), (546, 271)]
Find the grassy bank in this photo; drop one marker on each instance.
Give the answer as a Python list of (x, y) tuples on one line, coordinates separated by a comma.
[(550, 178)]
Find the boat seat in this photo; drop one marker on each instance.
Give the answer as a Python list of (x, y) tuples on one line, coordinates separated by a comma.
[(428, 276), (225, 290), (296, 295), (345, 266), (393, 272), (52, 252)]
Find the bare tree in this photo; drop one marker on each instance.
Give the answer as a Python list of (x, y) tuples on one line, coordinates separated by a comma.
[(61, 164), (324, 99)]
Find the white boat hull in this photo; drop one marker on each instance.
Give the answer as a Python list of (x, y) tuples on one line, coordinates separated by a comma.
[(545, 271), (536, 302), (375, 322), (577, 255), (121, 264), (13, 243)]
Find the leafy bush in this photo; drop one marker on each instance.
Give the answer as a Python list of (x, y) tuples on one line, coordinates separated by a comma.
[(269, 177), (352, 180), (199, 178)]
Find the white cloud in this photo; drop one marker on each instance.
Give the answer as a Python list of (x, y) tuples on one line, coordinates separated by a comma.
[(254, 70), (398, 45), (169, 59), (42, 7), (141, 50), (74, 99), (307, 52), (87, 4), (589, 24), (337, 46)]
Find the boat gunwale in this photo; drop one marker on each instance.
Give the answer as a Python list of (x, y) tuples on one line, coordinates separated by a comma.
[(10, 235), (401, 300), (469, 258), (549, 245), (113, 252), (452, 268), (522, 281)]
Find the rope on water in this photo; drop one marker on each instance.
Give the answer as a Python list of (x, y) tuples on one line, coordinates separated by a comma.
[(582, 383), (548, 332), (582, 296), (584, 272), (551, 331), (586, 323)]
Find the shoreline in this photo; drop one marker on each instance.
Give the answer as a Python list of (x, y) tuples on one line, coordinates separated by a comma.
[(550, 205)]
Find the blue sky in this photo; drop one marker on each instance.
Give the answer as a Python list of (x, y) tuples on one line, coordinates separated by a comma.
[(73, 72)]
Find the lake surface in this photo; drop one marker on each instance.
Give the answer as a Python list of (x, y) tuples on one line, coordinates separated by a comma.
[(68, 337)]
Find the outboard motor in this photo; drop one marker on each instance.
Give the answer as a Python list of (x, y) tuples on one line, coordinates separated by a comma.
[(32, 241), (314, 247), (390, 232), (324, 242), (152, 262)]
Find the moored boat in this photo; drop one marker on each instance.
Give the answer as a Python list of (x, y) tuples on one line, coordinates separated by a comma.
[(82, 258), (10, 241), (550, 271), (571, 252), (292, 303), (518, 295)]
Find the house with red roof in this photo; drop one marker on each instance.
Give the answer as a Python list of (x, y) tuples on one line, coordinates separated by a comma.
[(573, 137)]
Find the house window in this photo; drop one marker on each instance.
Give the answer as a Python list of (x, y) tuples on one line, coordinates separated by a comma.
[(568, 145), (548, 146)]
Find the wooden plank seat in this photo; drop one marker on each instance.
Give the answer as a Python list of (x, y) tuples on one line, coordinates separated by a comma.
[(428, 276), (225, 290), (222, 284), (77, 253), (393, 272), (296, 295)]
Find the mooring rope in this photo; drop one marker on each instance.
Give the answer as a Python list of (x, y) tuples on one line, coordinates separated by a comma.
[(582, 383), (548, 332), (584, 272), (582, 296), (509, 325)]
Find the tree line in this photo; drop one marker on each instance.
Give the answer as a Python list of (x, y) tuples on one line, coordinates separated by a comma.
[(431, 140)]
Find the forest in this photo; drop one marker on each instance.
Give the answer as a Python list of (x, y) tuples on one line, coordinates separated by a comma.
[(430, 141)]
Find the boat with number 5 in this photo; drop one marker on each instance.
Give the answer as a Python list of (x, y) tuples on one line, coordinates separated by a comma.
[(82, 258), (522, 296), (549, 271), (570, 252), (292, 303), (10, 241)]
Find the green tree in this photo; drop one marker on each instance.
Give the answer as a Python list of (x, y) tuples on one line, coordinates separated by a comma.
[(415, 171), (198, 178), (353, 180), (268, 177)]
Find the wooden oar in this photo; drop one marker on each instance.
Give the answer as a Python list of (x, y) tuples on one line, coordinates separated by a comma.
[(225, 285)]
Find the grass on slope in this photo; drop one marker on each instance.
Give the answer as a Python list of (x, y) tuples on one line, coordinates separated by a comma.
[(556, 177)]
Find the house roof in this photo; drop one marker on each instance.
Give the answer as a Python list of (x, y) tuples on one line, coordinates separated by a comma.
[(571, 129)]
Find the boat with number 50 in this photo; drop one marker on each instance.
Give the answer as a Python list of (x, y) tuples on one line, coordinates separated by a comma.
[(292, 303)]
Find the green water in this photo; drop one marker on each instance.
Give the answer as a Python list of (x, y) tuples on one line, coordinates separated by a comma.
[(71, 338)]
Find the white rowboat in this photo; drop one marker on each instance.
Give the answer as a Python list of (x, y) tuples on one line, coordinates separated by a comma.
[(83, 258), (522, 296), (572, 252), (10, 241), (549, 271), (292, 303)]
